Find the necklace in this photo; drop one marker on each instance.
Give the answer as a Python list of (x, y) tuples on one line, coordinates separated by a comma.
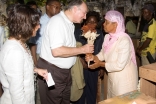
[(27, 50), (25, 46)]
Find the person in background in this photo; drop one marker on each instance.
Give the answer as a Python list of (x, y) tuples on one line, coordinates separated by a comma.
[(34, 5), (58, 52), (117, 56), (53, 7), (16, 64), (90, 76), (148, 39), (32, 41), (131, 26)]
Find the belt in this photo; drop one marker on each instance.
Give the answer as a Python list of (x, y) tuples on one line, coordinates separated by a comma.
[(43, 60)]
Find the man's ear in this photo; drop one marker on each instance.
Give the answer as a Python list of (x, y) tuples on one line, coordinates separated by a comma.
[(47, 7), (74, 9)]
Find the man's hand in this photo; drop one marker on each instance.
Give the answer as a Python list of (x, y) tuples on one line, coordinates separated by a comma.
[(88, 48)]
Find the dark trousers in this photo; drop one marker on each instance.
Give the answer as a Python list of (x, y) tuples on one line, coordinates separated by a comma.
[(60, 92), (90, 90)]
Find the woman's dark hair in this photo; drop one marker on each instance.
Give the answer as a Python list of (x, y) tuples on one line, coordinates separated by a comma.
[(9, 7), (93, 13), (22, 20), (89, 14), (72, 3)]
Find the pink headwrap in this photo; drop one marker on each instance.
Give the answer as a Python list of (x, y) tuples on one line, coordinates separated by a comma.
[(115, 16)]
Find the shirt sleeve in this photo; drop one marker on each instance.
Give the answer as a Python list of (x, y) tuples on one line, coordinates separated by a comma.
[(14, 70), (100, 55), (151, 31), (55, 31)]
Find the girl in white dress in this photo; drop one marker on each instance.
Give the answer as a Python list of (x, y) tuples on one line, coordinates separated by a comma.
[(16, 64)]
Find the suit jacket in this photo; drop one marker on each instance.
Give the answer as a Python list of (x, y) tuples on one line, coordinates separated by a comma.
[(16, 74), (122, 72)]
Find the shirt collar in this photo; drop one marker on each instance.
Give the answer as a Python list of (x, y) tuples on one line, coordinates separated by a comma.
[(46, 16), (65, 17)]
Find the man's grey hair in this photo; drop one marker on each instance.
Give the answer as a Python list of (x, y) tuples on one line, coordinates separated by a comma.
[(71, 3)]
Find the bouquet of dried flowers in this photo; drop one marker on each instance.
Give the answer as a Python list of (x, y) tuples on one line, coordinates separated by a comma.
[(89, 32)]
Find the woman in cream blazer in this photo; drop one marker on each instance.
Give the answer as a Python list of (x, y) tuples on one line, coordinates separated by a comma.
[(117, 56)]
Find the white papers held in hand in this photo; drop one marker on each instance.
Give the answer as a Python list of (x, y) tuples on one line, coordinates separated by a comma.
[(50, 81)]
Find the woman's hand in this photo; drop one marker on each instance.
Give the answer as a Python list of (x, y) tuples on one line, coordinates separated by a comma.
[(89, 57), (97, 63), (42, 72)]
